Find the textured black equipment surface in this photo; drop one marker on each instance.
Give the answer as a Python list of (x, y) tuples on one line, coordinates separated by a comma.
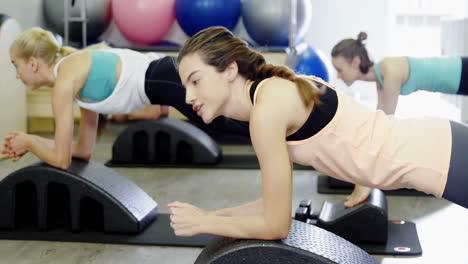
[(304, 244), (85, 195), (329, 185)]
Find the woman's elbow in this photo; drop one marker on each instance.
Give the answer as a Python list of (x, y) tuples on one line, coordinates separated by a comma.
[(283, 232), (63, 166), (278, 231), (86, 156), (83, 154), (64, 163)]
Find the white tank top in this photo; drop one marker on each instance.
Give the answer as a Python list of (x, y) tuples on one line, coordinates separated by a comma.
[(129, 93)]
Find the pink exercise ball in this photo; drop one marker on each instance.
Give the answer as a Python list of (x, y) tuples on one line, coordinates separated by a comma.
[(144, 21)]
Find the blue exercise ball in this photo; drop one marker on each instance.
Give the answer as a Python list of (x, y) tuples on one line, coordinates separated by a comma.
[(313, 62), (268, 22), (165, 43), (196, 15)]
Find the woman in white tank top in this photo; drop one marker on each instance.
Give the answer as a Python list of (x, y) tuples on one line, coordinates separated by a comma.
[(131, 81)]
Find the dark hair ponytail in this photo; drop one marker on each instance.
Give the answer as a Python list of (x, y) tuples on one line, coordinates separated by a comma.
[(361, 36), (351, 48)]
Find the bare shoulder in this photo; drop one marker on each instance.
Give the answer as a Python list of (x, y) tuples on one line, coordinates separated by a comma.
[(76, 63), (276, 88), (277, 99), (73, 71), (396, 67)]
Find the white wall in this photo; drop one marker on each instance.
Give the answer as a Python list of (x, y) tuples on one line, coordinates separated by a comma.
[(28, 13), (24, 14), (12, 92), (334, 20)]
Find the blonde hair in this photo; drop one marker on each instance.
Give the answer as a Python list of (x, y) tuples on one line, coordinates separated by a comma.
[(40, 43), (219, 47), (98, 46)]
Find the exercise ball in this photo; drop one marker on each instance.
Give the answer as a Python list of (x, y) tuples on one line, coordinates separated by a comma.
[(98, 13), (268, 22), (144, 21), (166, 43), (313, 62), (195, 15)]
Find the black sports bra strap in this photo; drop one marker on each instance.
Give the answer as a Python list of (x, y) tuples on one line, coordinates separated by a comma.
[(252, 90)]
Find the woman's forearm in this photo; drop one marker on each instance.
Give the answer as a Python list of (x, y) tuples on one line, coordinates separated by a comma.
[(245, 227), (46, 142), (77, 151), (248, 209), (45, 150)]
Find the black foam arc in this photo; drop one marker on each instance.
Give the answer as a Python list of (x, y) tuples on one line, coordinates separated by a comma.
[(86, 195)]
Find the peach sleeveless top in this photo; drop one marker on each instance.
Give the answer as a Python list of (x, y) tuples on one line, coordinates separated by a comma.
[(368, 147)]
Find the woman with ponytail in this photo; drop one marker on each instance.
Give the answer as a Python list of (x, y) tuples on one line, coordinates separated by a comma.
[(305, 120), (394, 76), (100, 81)]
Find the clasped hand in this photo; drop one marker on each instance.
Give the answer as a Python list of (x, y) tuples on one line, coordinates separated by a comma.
[(15, 145), (186, 219)]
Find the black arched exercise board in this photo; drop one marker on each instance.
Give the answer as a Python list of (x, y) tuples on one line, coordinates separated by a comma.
[(172, 143), (304, 244), (87, 195)]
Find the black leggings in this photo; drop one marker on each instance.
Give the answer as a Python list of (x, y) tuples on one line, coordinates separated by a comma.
[(463, 89), (163, 87), (456, 189)]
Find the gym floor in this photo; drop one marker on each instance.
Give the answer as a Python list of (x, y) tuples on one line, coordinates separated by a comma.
[(441, 226)]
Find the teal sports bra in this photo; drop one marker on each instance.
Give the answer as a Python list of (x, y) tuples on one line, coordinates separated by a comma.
[(101, 78), (438, 74)]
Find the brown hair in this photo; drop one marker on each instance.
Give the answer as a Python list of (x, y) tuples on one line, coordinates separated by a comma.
[(219, 47), (351, 48)]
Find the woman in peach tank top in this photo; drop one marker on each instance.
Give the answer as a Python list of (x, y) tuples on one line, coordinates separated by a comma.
[(304, 120)]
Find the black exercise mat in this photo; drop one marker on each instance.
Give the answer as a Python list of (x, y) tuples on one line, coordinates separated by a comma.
[(237, 161), (324, 187), (402, 240), (159, 233)]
